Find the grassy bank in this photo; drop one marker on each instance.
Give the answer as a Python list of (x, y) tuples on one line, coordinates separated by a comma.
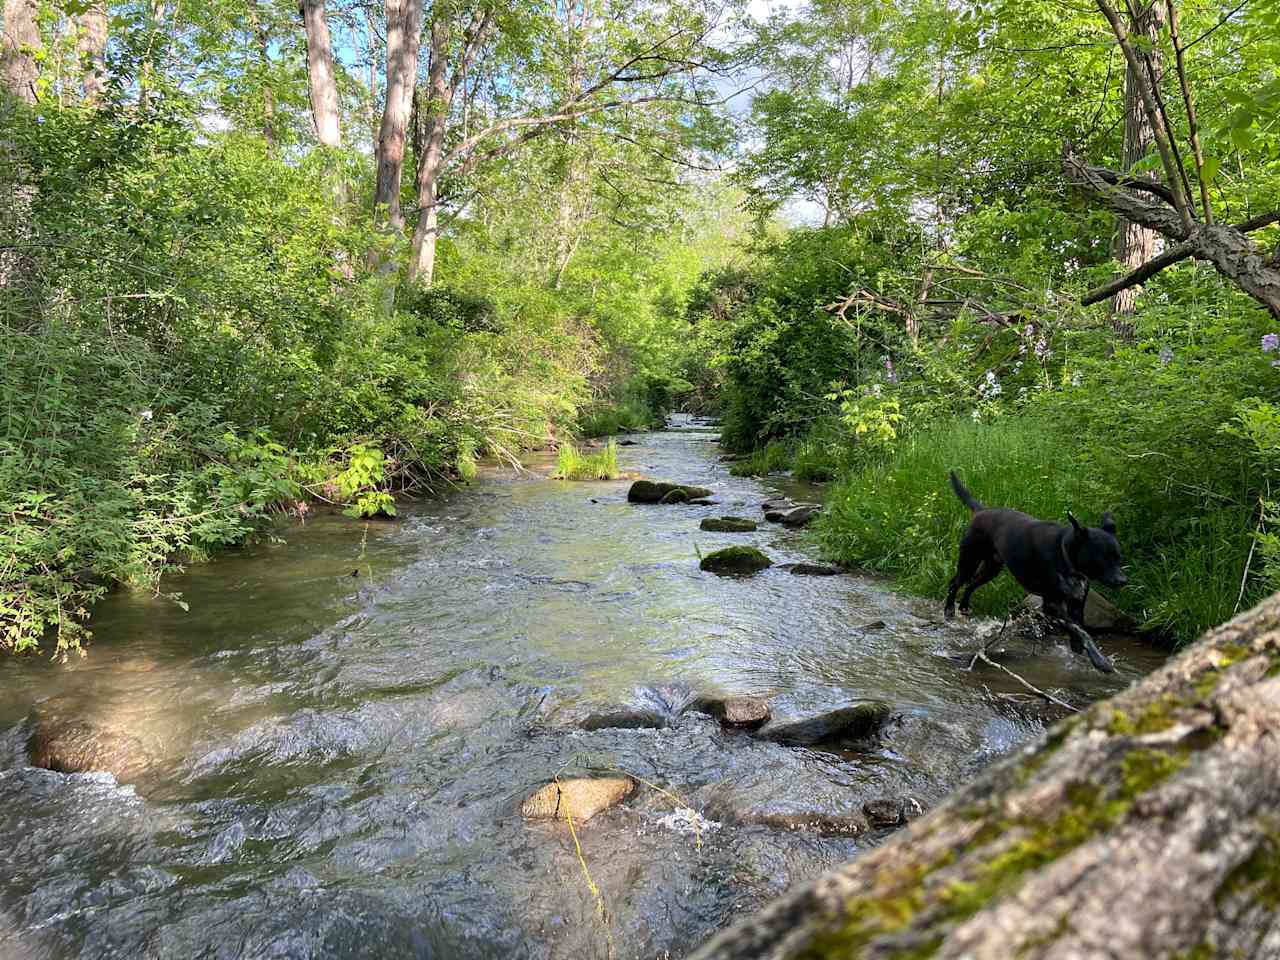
[(896, 514)]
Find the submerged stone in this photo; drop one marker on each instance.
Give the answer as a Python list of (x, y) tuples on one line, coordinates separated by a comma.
[(73, 745), (812, 570), (652, 491), (579, 799), (727, 525), (856, 722), (735, 560)]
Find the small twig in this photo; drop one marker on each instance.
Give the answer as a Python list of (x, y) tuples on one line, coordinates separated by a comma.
[(982, 655), (1253, 543), (986, 644)]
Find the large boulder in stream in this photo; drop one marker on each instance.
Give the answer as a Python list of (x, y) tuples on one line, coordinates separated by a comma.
[(727, 525), (854, 722), (1142, 827), (653, 491), (735, 561), (578, 799)]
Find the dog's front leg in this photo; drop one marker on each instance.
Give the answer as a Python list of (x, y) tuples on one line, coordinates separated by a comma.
[(1071, 619)]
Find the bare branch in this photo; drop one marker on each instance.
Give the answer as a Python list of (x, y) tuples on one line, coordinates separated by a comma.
[(1183, 251)]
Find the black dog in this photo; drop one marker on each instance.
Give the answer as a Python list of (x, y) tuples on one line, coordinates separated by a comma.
[(1052, 561)]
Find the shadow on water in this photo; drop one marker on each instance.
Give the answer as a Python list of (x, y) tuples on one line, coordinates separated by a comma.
[(334, 763)]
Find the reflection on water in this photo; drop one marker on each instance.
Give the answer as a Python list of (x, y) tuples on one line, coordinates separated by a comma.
[(334, 763)]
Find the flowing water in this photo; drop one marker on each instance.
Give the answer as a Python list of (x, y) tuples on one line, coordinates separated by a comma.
[(334, 742)]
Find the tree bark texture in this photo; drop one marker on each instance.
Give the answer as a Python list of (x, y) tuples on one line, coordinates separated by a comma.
[(404, 33), (1148, 827), (91, 47), (19, 69), (422, 257), (321, 79), (1135, 244)]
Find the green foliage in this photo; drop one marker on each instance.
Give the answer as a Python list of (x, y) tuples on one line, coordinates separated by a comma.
[(773, 457), (573, 464)]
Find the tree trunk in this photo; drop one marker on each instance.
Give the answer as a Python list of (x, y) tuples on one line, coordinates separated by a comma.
[(91, 48), (321, 79), (422, 258), (404, 33), (371, 116), (18, 65), (1146, 827), (1134, 244)]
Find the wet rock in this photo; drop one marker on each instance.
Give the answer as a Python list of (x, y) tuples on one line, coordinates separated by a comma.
[(675, 496), (735, 560), (891, 811), (777, 504), (627, 443), (796, 516), (812, 570), (727, 525), (704, 502), (652, 491), (579, 799), (734, 711), (874, 625), (72, 744), (855, 722)]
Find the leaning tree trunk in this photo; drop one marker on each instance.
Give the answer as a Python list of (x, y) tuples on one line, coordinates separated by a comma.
[(19, 69), (1147, 827), (1134, 243), (91, 48)]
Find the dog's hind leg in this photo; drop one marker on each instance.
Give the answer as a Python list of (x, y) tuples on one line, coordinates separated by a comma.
[(972, 557), (988, 570)]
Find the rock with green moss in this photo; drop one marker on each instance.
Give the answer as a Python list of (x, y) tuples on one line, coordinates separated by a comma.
[(1146, 826), (727, 525), (735, 561), (653, 491), (843, 724)]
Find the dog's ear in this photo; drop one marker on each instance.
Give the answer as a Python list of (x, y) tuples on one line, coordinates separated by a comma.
[(1109, 523), (1074, 522)]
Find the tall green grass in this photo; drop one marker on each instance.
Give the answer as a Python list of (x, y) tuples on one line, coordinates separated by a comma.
[(771, 458), (573, 464), (897, 514)]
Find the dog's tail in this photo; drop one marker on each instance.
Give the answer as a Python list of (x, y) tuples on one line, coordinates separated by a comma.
[(967, 498)]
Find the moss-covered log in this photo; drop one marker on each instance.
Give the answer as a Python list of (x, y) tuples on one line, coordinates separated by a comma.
[(1147, 827)]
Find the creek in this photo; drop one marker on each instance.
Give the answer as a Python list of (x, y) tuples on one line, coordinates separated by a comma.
[(339, 733)]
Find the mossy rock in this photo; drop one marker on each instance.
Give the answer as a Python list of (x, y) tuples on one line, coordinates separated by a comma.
[(675, 496), (735, 560), (653, 491), (727, 525), (856, 722)]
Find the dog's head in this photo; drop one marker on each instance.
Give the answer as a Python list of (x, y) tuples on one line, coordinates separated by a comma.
[(1096, 552)]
